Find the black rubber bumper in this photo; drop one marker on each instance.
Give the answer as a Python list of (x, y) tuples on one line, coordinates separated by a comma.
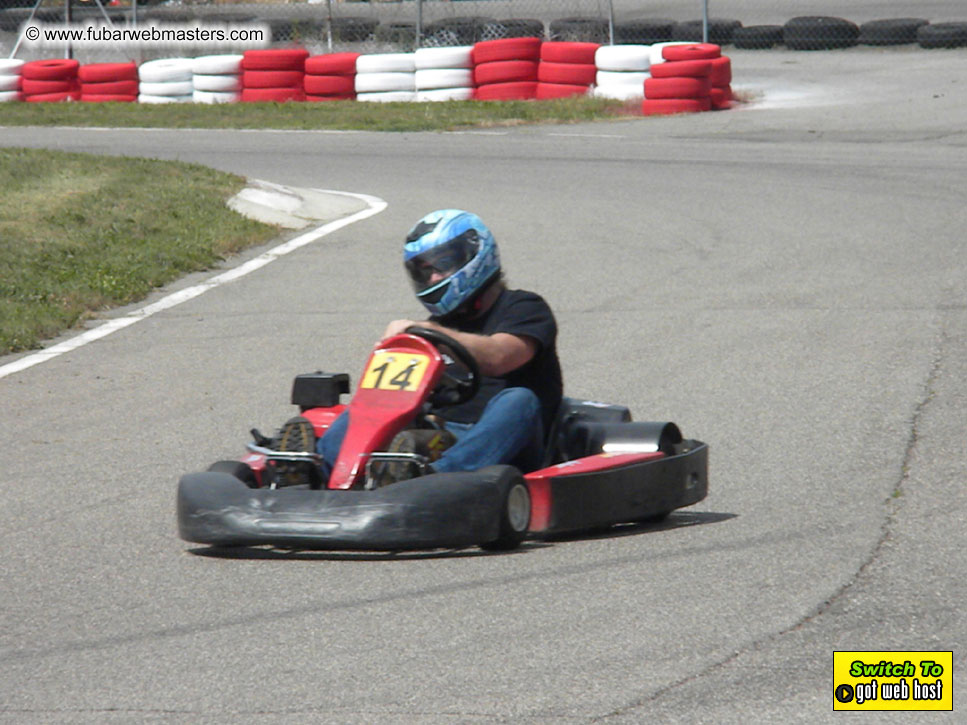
[(439, 511)]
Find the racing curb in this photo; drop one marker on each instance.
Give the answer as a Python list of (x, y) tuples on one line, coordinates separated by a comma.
[(291, 207)]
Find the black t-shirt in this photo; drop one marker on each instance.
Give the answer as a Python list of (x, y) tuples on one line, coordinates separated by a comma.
[(524, 314)]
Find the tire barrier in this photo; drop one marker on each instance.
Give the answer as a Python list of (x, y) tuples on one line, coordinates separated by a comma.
[(757, 37), (720, 31), (385, 77), (10, 79), (216, 79), (819, 33), (505, 69), (943, 35), (54, 80), (273, 75), (165, 80), (580, 30), (444, 73), (331, 77), (692, 79), (566, 69), (622, 71)]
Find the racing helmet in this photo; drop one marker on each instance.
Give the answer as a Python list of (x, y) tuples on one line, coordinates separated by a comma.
[(451, 258)]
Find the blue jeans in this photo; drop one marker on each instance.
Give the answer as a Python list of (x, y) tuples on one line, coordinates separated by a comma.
[(510, 430)]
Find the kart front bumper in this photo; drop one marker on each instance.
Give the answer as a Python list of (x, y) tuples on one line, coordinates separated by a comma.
[(446, 510)]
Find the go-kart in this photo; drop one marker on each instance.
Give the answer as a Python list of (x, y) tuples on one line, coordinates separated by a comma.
[(601, 469)]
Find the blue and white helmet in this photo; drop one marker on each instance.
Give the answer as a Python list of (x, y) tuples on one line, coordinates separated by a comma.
[(451, 257)]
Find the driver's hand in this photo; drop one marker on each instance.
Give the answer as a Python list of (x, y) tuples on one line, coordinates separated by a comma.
[(397, 327)]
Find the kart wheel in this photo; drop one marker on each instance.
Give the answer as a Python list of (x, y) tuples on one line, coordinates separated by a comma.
[(242, 471), (515, 509)]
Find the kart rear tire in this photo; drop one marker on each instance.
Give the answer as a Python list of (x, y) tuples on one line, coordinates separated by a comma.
[(242, 471), (515, 508)]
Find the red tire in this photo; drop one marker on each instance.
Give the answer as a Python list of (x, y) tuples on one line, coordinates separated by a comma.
[(318, 99), (562, 51), (106, 72), (48, 97), (660, 88), (48, 70), (492, 51), (111, 88), (682, 69), (721, 71), (721, 98), (332, 64), (34, 87), (698, 51), (275, 59), (505, 71), (272, 79), (520, 91), (278, 95), (329, 85), (547, 91), (667, 106), (108, 98), (575, 74)]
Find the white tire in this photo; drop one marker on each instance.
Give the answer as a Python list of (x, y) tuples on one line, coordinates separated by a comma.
[(9, 83), (9, 96), (452, 57), (217, 64), (656, 56), (148, 98), (620, 93), (215, 97), (387, 97), (165, 70), (445, 94), (220, 83), (623, 57), (386, 63), (431, 78), (172, 88), (384, 82), (10, 66), (609, 78)]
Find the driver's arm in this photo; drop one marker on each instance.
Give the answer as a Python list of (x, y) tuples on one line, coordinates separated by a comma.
[(496, 354)]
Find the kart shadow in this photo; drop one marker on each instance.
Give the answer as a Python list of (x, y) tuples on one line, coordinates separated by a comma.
[(675, 520)]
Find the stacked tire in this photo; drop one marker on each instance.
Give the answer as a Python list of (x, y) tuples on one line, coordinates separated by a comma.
[(216, 78), (684, 83), (622, 71), (566, 69), (165, 80), (50, 80), (505, 69), (10, 79), (273, 75), (108, 82), (444, 74), (331, 77), (386, 77)]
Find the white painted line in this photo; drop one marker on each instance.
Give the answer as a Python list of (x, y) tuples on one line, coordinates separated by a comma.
[(374, 204)]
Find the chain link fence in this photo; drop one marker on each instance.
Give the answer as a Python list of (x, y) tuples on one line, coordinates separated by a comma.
[(376, 26)]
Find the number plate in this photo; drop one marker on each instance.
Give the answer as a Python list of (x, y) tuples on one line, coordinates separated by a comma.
[(395, 371)]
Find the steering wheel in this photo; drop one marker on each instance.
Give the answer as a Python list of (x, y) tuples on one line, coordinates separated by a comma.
[(451, 390)]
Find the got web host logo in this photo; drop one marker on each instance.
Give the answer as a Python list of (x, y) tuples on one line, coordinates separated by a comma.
[(893, 680)]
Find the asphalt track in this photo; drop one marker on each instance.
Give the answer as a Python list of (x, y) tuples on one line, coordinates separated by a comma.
[(786, 281)]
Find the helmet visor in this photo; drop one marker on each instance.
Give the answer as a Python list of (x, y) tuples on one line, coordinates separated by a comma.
[(437, 264)]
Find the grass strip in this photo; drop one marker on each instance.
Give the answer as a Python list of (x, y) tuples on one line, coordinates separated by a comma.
[(81, 233), (337, 115)]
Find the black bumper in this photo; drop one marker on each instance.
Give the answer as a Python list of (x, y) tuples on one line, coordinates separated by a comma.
[(438, 511)]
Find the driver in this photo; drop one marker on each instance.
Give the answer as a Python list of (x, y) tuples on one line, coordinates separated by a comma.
[(452, 261)]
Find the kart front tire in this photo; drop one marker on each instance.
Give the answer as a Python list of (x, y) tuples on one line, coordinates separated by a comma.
[(514, 510), (242, 471)]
